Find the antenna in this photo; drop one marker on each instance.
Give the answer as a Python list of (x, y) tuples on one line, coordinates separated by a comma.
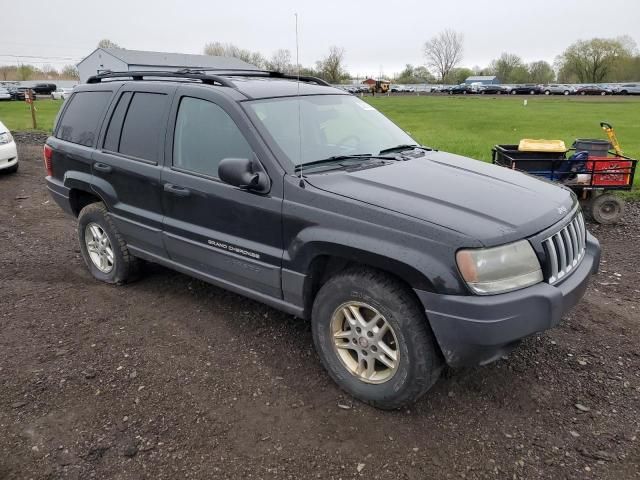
[(298, 99)]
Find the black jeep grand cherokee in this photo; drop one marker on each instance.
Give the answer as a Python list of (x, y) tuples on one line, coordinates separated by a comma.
[(304, 197)]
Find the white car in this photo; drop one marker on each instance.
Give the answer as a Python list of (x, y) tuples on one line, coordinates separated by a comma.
[(8, 151), (61, 93), (4, 94)]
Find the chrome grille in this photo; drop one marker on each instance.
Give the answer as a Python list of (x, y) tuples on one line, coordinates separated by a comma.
[(565, 250)]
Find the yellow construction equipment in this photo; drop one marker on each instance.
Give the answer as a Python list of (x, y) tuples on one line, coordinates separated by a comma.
[(608, 128)]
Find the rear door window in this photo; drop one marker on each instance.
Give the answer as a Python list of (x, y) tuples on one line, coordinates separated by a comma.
[(143, 129), (81, 120)]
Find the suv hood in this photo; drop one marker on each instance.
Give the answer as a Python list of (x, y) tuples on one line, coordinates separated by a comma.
[(491, 204)]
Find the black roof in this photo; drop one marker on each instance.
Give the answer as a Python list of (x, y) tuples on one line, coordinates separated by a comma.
[(252, 84)]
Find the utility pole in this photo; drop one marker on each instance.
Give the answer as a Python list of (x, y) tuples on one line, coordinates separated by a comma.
[(29, 99)]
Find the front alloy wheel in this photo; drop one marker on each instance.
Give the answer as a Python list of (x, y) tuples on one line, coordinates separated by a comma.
[(373, 338), (365, 342)]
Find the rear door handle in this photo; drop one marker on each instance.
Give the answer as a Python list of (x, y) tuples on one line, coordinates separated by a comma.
[(176, 190), (102, 167)]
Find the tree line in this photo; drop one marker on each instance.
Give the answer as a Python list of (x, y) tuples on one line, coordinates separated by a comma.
[(30, 72), (598, 60), (331, 67)]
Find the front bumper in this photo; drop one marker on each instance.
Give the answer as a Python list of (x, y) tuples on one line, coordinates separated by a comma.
[(475, 330), (8, 155)]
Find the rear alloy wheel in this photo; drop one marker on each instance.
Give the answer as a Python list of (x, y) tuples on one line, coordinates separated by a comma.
[(566, 92), (607, 209), (103, 248), (99, 247), (547, 92), (603, 93), (373, 338), (532, 92), (513, 92), (583, 93)]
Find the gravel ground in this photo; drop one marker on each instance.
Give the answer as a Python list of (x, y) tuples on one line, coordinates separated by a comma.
[(170, 377)]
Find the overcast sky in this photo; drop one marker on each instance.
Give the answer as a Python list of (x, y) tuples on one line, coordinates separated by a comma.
[(376, 35)]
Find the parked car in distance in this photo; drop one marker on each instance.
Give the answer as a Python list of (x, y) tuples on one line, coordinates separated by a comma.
[(462, 89), (4, 94), (15, 92), (526, 89), (22, 93), (492, 90), (593, 90), (403, 258), (44, 88), (557, 89), (63, 93), (628, 89), (8, 151)]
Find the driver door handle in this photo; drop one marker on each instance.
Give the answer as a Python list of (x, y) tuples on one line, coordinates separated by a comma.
[(176, 190), (102, 167)]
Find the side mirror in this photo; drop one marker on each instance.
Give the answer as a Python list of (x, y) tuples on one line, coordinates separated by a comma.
[(244, 173)]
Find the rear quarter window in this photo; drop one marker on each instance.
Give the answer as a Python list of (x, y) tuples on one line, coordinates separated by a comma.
[(80, 122)]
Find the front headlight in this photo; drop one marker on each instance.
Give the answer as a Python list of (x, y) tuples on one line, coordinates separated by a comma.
[(5, 138), (499, 269)]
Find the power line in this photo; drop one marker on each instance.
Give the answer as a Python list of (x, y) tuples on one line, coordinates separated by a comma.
[(37, 56)]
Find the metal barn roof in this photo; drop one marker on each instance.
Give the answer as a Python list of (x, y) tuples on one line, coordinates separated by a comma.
[(165, 59)]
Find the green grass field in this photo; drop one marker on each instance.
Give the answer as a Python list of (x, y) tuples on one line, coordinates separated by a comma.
[(472, 125), (17, 115), (468, 125)]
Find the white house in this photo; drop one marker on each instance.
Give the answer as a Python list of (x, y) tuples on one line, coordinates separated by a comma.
[(121, 60)]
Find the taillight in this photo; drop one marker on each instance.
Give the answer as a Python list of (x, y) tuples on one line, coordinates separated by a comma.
[(48, 164)]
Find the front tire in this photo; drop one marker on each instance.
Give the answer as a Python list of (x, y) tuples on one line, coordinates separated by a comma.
[(373, 338), (12, 169), (103, 248)]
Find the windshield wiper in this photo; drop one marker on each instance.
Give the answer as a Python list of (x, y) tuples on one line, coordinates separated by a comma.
[(400, 148), (339, 158)]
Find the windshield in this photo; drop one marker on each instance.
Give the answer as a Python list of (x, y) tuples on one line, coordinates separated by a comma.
[(331, 125)]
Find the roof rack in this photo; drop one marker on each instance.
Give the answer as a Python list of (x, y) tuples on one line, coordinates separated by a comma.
[(257, 73), (220, 77), (140, 75)]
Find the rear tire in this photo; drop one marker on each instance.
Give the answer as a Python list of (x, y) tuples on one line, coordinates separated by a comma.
[(346, 341), (606, 209), (103, 248)]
